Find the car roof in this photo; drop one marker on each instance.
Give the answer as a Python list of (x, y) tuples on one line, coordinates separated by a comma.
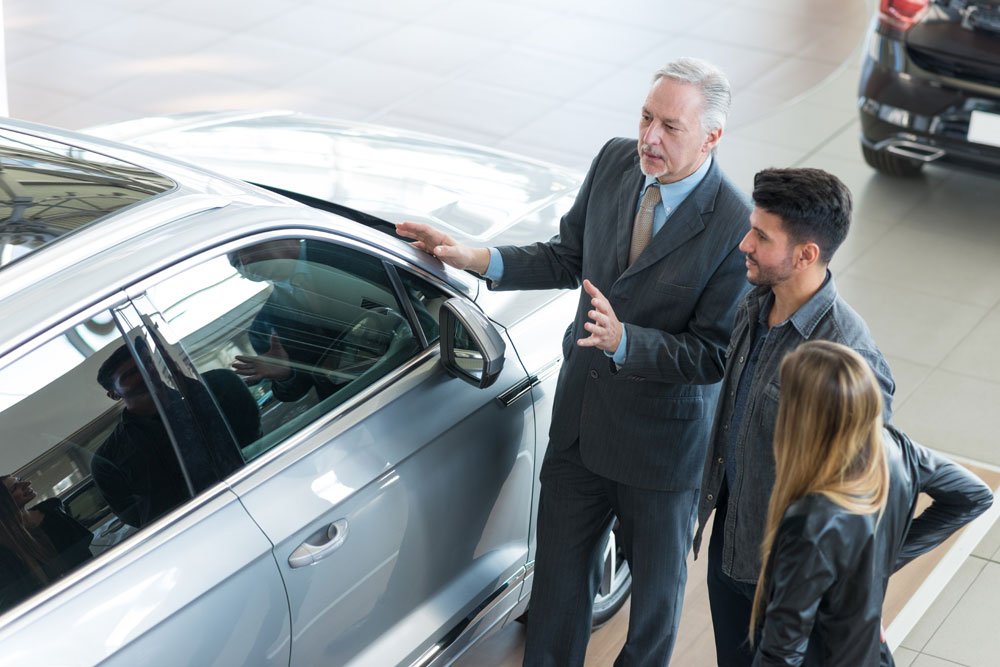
[(478, 195)]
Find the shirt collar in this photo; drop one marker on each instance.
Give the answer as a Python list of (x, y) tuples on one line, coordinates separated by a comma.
[(678, 190)]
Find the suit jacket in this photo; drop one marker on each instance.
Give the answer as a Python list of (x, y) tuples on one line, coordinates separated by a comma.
[(647, 423)]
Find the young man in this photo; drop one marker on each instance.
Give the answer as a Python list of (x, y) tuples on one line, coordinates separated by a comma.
[(800, 218), (656, 226)]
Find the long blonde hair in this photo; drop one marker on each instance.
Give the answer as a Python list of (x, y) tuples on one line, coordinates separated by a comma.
[(827, 439)]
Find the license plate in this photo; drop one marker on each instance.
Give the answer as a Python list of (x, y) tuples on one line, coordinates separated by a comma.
[(984, 128)]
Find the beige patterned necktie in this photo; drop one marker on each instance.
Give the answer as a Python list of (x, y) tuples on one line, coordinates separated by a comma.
[(642, 230)]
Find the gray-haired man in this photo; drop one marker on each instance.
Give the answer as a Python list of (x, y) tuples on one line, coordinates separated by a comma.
[(656, 227)]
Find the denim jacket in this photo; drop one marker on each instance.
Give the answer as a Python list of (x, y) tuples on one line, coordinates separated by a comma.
[(825, 316)]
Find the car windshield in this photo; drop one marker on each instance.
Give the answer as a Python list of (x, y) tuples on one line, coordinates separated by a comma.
[(50, 189)]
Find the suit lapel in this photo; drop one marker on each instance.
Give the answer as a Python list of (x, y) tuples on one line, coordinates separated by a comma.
[(686, 222), (628, 202)]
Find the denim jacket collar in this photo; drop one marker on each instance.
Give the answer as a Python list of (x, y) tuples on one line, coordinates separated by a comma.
[(807, 316)]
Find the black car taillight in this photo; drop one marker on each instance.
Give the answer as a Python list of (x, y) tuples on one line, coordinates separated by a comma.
[(901, 14)]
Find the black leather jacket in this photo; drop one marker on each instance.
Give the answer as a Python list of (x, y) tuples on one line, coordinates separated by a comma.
[(829, 569)]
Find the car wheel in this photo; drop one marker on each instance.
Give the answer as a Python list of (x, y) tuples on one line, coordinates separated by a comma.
[(616, 579), (890, 164)]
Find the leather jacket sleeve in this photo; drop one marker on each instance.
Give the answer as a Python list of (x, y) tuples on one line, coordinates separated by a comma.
[(958, 498)]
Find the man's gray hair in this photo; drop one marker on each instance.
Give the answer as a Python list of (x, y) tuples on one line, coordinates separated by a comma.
[(712, 83)]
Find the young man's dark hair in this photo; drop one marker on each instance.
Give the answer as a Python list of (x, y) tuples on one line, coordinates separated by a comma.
[(106, 373), (813, 205)]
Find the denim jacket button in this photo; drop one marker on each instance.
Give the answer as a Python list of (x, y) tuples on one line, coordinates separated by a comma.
[(710, 497)]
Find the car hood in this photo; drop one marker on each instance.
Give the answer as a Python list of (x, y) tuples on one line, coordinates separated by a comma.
[(478, 195)]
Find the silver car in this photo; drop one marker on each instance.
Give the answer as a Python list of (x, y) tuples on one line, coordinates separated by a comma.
[(245, 424)]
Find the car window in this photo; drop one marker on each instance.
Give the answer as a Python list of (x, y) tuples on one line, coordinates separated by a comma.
[(282, 331), (86, 460)]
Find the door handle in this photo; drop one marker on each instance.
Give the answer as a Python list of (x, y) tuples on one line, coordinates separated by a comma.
[(320, 544)]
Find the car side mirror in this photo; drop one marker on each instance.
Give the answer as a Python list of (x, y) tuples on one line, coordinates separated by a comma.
[(471, 347)]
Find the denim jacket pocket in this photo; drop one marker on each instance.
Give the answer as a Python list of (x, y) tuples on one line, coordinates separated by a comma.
[(769, 404)]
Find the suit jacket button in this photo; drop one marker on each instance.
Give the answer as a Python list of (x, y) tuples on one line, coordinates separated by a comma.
[(593, 373)]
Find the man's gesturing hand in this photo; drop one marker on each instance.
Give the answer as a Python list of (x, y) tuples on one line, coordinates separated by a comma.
[(604, 327), (272, 365), (445, 248)]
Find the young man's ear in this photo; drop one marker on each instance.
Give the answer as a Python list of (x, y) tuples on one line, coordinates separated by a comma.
[(807, 254)]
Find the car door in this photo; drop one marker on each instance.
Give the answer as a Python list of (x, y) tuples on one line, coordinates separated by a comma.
[(397, 497), (186, 578)]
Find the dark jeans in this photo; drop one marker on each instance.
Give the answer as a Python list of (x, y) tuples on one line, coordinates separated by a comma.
[(656, 531), (731, 601)]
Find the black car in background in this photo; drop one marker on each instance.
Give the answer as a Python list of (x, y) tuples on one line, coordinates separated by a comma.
[(930, 86)]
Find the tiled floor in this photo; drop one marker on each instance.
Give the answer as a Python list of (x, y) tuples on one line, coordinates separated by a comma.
[(554, 79)]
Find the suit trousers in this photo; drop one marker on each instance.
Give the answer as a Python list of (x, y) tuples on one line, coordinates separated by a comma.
[(656, 531)]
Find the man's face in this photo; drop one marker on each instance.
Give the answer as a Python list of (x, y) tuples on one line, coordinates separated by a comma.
[(129, 386), (672, 143), (769, 251), (20, 491)]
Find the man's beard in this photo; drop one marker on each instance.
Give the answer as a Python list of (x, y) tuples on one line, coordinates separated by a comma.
[(773, 275)]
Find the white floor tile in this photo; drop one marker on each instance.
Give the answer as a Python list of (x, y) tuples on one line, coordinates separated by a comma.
[(474, 106), (802, 126), (19, 44), (523, 69), (904, 657), (488, 18), (934, 263), (229, 15), (59, 20), (919, 327), (924, 660), (956, 414), (989, 546), (943, 605), (324, 29), (977, 354), (968, 636), (908, 376), (429, 50), (149, 36), (606, 42)]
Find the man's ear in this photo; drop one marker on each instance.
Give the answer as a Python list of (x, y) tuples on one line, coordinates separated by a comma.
[(712, 140), (807, 254)]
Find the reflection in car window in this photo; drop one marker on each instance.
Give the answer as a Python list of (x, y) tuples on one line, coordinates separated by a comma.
[(49, 189), (85, 459), (303, 325)]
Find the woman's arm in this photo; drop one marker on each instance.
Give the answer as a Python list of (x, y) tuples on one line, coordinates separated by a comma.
[(800, 574), (958, 498)]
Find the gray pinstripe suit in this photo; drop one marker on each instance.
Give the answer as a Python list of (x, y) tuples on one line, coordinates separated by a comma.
[(630, 441)]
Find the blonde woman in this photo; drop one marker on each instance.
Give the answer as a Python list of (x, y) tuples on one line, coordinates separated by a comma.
[(839, 521)]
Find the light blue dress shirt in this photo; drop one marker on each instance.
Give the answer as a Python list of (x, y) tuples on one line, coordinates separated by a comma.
[(671, 196)]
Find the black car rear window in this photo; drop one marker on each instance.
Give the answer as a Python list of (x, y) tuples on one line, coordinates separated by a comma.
[(49, 189)]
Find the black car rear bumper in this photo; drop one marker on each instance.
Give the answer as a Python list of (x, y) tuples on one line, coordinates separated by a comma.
[(921, 115)]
